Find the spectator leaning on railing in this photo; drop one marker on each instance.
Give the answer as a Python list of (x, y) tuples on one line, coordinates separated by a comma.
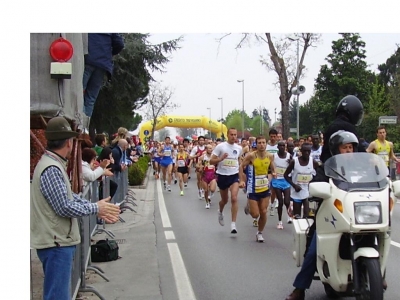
[(54, 230), (90, 169)]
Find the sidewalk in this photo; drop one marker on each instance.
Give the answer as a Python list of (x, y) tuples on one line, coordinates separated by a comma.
[(135, 275)]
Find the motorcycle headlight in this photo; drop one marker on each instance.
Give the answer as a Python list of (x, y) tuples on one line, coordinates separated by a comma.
[(368, 212)]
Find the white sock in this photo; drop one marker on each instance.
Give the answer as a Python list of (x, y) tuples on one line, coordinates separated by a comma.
[(233, 224)]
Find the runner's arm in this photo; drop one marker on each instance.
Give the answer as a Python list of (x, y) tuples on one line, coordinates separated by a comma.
[(371, 147)]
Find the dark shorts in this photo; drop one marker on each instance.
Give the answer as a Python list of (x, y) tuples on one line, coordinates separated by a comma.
[(225, 181), (183, 170), (259, 196)]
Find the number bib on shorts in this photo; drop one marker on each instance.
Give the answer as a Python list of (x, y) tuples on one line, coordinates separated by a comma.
[(303, 178), (261, 181)]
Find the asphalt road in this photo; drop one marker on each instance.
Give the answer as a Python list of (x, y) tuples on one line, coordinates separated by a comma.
[(199, 259)]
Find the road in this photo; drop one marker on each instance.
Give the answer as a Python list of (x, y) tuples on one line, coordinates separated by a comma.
[(199, 259)]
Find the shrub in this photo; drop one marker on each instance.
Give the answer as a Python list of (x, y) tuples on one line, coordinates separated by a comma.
[(137, 171)]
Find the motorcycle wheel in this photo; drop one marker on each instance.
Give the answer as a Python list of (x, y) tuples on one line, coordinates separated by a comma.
[(371, 287), (330, 292)]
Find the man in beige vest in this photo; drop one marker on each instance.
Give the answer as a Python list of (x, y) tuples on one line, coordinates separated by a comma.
[(55, 209)]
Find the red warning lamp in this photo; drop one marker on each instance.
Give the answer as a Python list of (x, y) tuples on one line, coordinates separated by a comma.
[(61, 50)]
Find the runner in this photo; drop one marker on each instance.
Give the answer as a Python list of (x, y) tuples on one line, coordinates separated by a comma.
[(226, 156), (196, 152), (303, 169), (188, 149), (247, 207), (272, 147), (174, 166), (156, 159), (166, 162), (382, 147), (280, 185), (258, 193), (182, 170), (208, 178), (316, 149)]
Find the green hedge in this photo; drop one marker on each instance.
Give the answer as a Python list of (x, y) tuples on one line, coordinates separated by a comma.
[(137, 171)]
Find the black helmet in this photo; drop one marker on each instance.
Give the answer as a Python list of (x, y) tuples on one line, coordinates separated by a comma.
[(342, 137), (352, 107)]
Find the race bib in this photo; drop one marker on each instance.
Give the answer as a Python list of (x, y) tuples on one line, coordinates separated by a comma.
[(181, 163), (167, 152), (261, 181), (230, 163), (303, 178), (384, 156), (280, 171)]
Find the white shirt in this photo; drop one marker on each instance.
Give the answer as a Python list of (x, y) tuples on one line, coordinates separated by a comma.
[(302, 176), (230, 165), (196, 149), (272, 149), (316, 154)]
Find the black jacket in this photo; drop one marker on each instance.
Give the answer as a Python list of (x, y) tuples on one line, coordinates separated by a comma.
[(340, 123)]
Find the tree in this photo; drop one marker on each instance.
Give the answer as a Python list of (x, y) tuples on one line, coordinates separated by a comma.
[(158, 103), (163, 133), (129, 86), (390, 69), (184, 132), (285, 66), (234, 120), (345, 74)]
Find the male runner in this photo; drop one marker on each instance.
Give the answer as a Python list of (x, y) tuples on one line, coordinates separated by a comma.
[(382, 147), (196, 152), (272, 147), (165, 152), (226, 156), (258, 163), (316, 149)]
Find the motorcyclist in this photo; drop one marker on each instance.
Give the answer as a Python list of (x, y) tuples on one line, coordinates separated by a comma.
[(339, 143), (349, 114)]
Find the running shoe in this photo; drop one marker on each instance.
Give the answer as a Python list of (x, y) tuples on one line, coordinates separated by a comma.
[(210, 195), (280, 225), (175, 181), (259, 237), (247, 209), (233, 228), (154, 172), (276, 204), (165, 184), (207, 205), (200, 198), (181, 193), (188, 177), (202, 193), (255, 223), (271, 210), (185, 185), (221, 218), (168, 188), (289, 220), (290, 211)]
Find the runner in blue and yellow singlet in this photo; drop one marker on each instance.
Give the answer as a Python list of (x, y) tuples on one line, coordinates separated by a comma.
[(258, 163)]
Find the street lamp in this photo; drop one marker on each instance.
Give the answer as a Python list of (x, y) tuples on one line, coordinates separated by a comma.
[(209, 122), (242, 81), (297, 87), (222, 113), (275, 115)]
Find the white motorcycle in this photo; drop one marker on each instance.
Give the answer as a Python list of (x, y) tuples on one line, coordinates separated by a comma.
[(352, 226)]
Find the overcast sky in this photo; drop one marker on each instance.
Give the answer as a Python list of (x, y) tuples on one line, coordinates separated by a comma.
[(204, 70)]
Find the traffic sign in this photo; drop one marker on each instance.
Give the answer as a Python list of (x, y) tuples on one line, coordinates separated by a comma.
[(146, 132), (387, 120), (293, 130)]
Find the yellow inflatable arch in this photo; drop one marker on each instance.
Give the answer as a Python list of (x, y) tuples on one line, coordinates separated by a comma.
[(183, 122)]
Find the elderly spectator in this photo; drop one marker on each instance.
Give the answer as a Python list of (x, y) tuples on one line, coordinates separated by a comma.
[(119, 155), (54, 230)]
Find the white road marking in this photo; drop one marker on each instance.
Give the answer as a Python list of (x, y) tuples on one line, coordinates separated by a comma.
[(169, 235), (182, 281), (163, 208), (395, 244)]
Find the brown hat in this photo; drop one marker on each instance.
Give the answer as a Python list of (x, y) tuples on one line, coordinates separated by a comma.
[(58, 128)]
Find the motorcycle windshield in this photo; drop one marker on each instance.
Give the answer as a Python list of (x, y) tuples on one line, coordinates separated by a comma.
[(359, 170)]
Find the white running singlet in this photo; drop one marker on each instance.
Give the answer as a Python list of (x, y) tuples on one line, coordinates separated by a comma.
[(230, 165)]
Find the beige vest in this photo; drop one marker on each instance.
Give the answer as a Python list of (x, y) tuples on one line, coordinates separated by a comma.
[(47, 228)]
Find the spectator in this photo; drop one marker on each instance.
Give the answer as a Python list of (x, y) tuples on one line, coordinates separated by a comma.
[(119, 155), (100, 140), (106, 153), (98, 63), (54, 230), (89, 170), (121, 134), (139, 149)]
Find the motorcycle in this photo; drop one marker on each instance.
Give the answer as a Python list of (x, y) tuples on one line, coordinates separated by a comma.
[(353, 224)]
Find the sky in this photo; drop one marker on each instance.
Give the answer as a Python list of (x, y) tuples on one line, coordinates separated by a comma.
[(203, 70)]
